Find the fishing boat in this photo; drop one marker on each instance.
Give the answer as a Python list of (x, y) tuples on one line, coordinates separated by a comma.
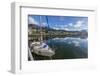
[(40, 47)]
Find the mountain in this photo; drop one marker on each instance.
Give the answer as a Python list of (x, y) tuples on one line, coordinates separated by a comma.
[(34, 26), (48, 30)]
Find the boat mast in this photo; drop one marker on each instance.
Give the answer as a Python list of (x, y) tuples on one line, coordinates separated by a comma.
[(41, 37), (47, 21)]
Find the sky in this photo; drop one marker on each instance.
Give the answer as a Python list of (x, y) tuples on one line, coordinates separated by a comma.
[(68, 23)]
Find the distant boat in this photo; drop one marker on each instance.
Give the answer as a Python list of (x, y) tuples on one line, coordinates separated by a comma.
[(40, 47)]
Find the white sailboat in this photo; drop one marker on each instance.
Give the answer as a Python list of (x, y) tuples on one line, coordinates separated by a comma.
[(40, 47)]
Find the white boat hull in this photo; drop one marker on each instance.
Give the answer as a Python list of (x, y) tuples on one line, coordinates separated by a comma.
[(39, 50), (44, 52)]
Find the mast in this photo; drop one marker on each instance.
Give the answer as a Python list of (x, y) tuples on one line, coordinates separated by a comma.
[(47, 21), (41, 37)]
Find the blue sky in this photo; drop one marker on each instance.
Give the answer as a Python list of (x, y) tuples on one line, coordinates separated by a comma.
[(68, 23)]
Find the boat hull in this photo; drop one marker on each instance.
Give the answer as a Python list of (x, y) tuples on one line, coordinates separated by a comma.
[(39, 49)]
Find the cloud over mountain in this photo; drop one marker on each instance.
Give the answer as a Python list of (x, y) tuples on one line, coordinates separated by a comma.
[(79, 25), (32, 21)]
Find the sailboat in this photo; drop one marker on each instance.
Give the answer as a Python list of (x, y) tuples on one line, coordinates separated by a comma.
[(40, 47)]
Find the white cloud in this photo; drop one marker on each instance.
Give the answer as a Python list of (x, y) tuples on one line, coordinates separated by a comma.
[(32, 21), (70, 24), (56, 25), (56, 28), (79, 24), (44, 24), (60, 27), (66, 29)]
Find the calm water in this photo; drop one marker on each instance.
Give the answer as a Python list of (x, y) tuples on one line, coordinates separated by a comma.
[(67, 48)]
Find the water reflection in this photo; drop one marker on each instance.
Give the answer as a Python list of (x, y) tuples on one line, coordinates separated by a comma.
[(69, 47)]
